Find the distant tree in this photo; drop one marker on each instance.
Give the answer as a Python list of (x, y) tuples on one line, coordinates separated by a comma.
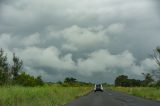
[(121, 80), (59, 82), (28, 80), (70, 80), (17, 66), (4, 69), (39, 81), (148, 79), (134, 83)]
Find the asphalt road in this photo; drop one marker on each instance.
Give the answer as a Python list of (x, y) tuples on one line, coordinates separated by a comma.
[(111, 98)]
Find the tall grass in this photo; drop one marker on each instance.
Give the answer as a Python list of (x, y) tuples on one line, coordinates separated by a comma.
[(39, 96), (145, 92)]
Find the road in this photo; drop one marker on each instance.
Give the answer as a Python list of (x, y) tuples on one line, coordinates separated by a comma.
[(111, 98)]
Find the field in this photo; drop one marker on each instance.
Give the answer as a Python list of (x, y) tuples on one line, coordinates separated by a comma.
[(145, 92), (39, 96)]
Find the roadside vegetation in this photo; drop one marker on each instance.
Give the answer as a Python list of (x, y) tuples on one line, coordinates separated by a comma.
[(54, 95), (145, 92)]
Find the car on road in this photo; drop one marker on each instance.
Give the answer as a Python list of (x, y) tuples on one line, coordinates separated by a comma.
[(98, 87)]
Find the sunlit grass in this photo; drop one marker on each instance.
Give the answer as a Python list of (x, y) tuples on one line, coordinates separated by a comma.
[(145, 92), (39, 96)]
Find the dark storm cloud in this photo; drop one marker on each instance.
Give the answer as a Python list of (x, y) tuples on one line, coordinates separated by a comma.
[(60, 38), (3, 1), (157, 3)]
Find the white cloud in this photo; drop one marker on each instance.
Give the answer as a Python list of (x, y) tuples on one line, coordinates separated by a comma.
[(149, 64), (5, 40), (98, 61), (69, 47), (31, 40), (48, 57), (83, 37), (76, 37), (33, 13), (35, 72), (102, 60), (105, 62), (116, 28)]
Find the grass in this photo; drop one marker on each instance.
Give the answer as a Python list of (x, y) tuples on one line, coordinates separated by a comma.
[(39, 96), (145, 92)]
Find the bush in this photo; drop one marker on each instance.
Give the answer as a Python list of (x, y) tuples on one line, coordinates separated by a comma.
[(27, 80), (123, 80)]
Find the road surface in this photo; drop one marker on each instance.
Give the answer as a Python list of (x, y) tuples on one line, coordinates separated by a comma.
[(111, 98)]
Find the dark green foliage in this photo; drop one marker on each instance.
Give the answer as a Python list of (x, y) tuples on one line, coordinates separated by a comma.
[(60, 82), (158, 49), (123, 80), (134, 83), (158, 84), (39, 81), (17, 66), (84, 83), (4, 69), (148, 79), (70, 80), (27, 80)]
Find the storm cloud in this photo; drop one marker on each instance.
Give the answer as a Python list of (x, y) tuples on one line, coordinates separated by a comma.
[(91, 40)]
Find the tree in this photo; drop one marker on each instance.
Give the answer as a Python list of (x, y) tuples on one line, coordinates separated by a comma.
[(156, 73), (17, 66), (28, 80), (39, 81), (60, 82), (70, 80), (147, 79), (157, 55), (134, 82), (4, 69), (121, 80)]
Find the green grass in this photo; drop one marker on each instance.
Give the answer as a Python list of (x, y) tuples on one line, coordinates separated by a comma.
[(145, 92), (39, 96)]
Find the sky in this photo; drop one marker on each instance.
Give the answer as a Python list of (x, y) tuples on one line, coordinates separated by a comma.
[(91, 40)]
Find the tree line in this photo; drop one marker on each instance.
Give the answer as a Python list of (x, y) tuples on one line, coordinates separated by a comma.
[(70, 81), (13, 74), (150, 79), (124, 81)]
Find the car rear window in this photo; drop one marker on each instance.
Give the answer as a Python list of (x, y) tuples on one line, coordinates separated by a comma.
[(98, 86)]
